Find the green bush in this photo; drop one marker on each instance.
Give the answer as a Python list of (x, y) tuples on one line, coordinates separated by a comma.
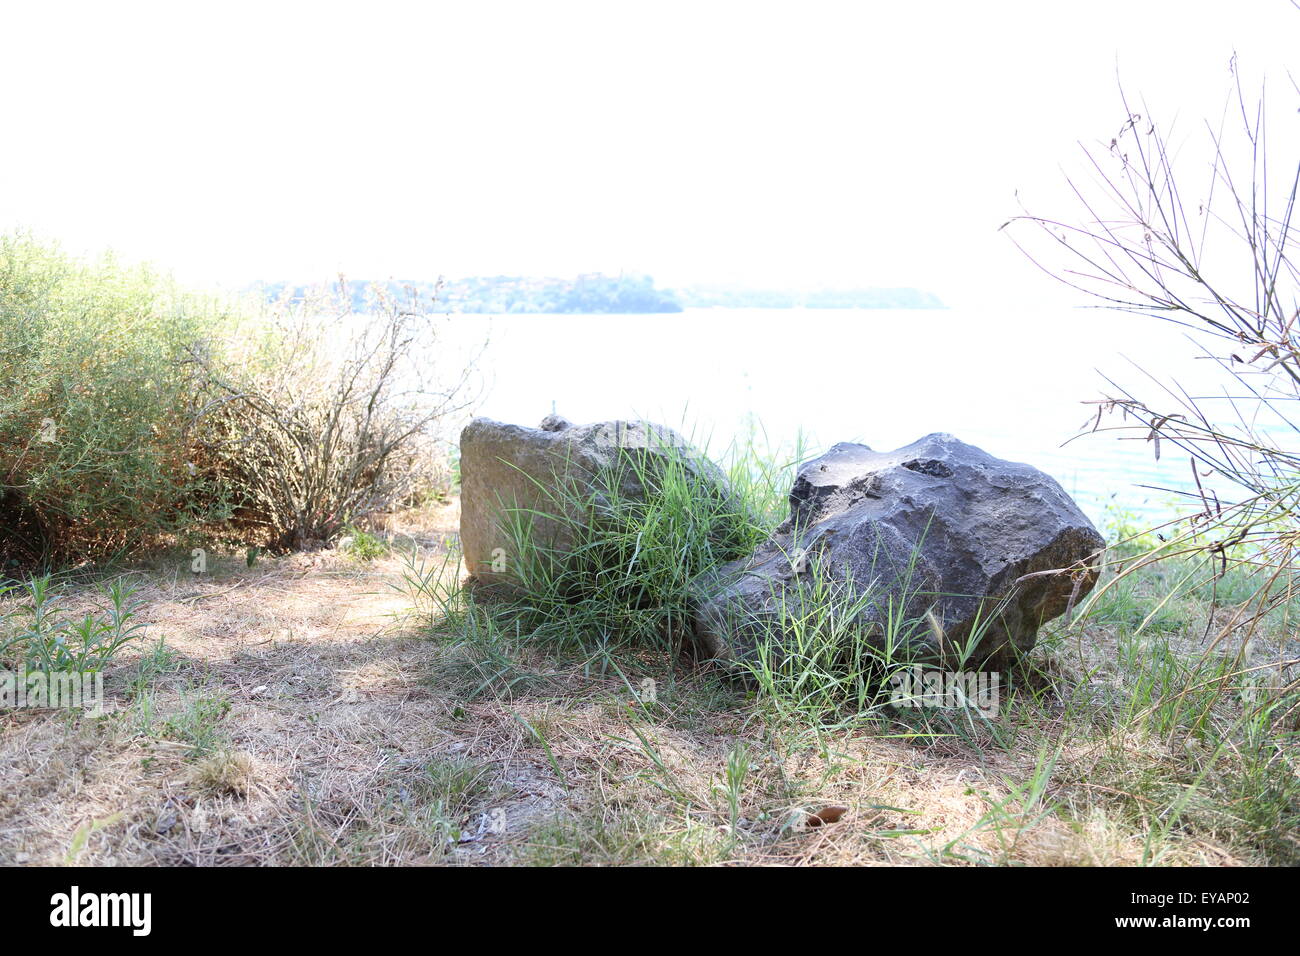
[(131, 410), (96, 390)]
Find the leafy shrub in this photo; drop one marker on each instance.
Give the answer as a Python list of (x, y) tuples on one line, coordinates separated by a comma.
[(95, 393), (131, 410)]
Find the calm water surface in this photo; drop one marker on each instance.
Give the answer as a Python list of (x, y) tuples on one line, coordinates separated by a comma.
[(1013, 383)]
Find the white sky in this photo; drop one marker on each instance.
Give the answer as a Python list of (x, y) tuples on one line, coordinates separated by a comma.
[(871, 143)]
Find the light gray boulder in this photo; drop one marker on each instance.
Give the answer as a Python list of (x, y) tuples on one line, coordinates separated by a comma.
[(511, 474), (976, 552)]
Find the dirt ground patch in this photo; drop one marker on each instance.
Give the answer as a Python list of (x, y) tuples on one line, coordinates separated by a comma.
[(300, 710)]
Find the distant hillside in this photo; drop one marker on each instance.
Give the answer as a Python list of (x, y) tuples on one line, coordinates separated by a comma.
[(600, 294), (501, 295), (728, 297)]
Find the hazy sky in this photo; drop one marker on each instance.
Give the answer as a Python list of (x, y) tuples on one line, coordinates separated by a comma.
[(849, 143)]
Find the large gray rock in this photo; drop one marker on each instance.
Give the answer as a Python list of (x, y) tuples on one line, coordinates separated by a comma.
[(938, 532), (511, 474)]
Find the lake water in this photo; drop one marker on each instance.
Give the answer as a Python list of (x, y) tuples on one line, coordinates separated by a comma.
[(1013, 383)]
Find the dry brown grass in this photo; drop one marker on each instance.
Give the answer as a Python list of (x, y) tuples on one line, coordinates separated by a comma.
[(307, 715)]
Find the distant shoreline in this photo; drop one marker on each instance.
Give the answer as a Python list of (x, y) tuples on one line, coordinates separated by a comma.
[(597, 294)]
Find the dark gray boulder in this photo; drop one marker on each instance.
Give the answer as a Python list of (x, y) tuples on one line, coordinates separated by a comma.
[(511, 474), (975, 552)]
